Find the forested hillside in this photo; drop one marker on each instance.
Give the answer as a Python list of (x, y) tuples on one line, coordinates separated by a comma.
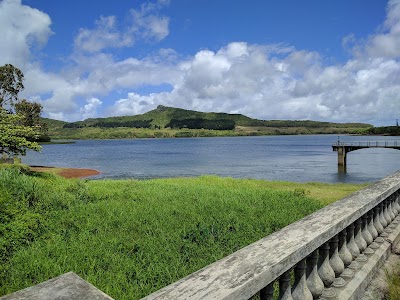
[(176, 122)]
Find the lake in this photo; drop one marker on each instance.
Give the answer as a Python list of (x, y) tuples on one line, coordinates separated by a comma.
[(290, 158)]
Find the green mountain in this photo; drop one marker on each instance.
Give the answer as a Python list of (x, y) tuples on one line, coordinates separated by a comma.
[(176, 122), (53, 124), (164, 116)]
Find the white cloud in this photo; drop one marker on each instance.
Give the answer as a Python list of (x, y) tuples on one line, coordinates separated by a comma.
[(133, 104), (105, 35), (21, 27), (145, 24), (386, 43), (89, 110)]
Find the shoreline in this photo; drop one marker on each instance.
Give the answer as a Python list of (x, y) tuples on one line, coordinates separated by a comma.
[(66, 172), (192, 134)]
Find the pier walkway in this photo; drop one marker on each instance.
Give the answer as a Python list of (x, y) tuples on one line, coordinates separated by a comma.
[(343, 148)]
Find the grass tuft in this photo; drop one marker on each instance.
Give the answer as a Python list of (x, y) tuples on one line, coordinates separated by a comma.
[(393, 281)]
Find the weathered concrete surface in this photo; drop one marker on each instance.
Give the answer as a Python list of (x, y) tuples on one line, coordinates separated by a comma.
[(378, 288), (68, 286), (358, 285), (245, 272)]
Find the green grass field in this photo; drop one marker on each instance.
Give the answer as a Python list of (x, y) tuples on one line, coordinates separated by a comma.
[(130, 238)]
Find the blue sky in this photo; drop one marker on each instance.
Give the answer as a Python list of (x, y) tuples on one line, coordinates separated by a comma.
[(316, 59)]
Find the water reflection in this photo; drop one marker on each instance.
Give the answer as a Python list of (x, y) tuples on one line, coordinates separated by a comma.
[(342, 170)]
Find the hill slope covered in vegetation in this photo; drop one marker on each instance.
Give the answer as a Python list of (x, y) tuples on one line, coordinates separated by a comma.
[(176, 122)]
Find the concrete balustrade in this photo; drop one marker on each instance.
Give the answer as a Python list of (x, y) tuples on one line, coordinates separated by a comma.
[(332, 254)]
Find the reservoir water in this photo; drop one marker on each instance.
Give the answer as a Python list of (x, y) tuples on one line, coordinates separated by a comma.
[(290, 158)]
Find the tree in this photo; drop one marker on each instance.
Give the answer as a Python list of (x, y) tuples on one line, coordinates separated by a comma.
[(11, 79), (18, 131), (30, 111), (15, 138)]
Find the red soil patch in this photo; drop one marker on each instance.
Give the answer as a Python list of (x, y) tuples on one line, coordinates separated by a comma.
[(77, 173), (66, 172)]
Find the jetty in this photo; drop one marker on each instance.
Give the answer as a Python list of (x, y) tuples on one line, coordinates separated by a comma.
[(343, 148)]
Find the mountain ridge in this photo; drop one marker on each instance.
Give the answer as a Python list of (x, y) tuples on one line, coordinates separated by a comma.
[(162, 116), (167, 122)]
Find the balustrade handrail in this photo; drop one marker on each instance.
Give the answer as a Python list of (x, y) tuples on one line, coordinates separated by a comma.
[(255, 267), (368, 144)]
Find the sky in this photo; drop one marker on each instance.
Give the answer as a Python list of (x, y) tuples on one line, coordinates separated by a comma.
[(336, 61)]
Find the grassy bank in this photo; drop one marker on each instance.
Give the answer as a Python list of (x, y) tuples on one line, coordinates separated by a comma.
[(129, 237)]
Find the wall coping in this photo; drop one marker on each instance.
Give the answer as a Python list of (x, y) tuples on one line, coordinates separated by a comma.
[(66, 286)]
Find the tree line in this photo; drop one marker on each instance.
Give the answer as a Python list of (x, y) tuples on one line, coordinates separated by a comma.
[(199, 123), (387, 130), (303, 123), (112, 124)]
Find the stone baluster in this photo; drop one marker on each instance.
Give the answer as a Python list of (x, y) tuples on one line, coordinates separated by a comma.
[(314, 282), (360, 242), (386, 211), (371, 225), (365, 232), (300, 289), (383, 214), (372, 230), (391, 215), (351, 243), (345, 256), (267, 293), (377, 219), (336, 262), (394, 205), (396, 201), (285, 292), (390, 208), (326, 272), (366, 235), (395, 209), (377, 224), (384, 221)]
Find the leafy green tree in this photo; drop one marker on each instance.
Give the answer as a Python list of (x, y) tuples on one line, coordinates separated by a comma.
[(31, 117), (15, 138), (19, 131), (11, 83), (30, 111)]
